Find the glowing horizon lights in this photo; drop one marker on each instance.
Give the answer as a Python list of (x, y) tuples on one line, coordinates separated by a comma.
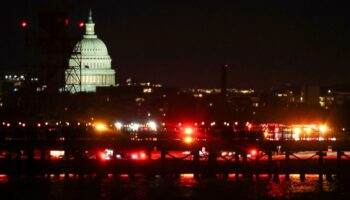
[(101, 127), (152, 125), (323, 128), (118, 125)]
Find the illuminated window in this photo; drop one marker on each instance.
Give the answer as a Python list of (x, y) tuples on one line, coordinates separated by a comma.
[(147, 90)]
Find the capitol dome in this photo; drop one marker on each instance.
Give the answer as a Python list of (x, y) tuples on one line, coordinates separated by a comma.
[(91, 47), (89, 64)]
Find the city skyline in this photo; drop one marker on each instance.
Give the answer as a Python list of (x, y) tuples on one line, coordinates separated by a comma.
[(185, 43)]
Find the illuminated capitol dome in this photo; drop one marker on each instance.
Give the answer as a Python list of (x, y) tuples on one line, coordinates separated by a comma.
[(89, 64)]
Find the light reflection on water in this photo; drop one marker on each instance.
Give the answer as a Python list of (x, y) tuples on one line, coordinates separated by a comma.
[(3, 178), (169, 187)]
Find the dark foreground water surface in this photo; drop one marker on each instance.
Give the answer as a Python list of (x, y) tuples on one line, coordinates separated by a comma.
[(185, 187)]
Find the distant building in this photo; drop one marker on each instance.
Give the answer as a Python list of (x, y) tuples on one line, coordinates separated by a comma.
[(334, 96), (289, 95), (311, 95), (308, 95), (18, 82), (89, 64), (201, 92)]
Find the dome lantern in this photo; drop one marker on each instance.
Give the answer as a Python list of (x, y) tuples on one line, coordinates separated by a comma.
[(90, 27)]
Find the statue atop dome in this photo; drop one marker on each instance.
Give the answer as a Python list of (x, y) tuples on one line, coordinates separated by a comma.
[(90, 17)]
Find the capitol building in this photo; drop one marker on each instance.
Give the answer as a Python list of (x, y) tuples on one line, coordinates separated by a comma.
[(89, 65)]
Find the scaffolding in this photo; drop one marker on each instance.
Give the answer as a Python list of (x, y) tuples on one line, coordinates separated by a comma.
[(73, 75)]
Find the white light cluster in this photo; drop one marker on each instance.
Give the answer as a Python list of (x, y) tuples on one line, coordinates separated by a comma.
[(152, 125)]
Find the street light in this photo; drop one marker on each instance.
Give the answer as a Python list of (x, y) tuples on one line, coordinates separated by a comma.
[(101, 127)]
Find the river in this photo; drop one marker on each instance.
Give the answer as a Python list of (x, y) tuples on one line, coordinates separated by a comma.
[(184, 187)]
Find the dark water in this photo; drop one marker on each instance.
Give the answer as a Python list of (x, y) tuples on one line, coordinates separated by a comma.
[(185, 187)]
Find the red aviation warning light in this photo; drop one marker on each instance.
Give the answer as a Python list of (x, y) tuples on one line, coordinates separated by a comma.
[(24, 24), (81, 24)]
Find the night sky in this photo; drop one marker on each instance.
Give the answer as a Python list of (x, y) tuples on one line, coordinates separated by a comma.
[(184, 42)]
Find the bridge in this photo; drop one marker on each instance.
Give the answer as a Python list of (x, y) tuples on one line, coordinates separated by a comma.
[(104, 157)]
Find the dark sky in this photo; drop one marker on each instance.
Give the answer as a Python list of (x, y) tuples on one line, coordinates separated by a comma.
[(184, 42)]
